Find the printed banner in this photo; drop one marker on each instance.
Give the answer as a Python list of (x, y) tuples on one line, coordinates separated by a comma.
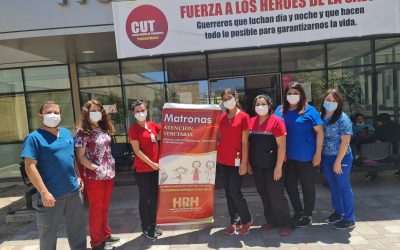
[(187, 163), (153, 27)]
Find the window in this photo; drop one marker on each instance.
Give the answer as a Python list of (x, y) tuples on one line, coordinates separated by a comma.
[(99, 74), (388, 93), (152, 95), (142, 71), (387, 50), (349, 53), (11, 81), (13, 122), (243, 63), (10, 157), (47, 78), (195, 92), (184, 68), (302, 57), (355, 85)]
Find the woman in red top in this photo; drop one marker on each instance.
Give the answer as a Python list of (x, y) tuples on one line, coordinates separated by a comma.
[(232, 158), (143, 137), (93, 151), (267, 152)]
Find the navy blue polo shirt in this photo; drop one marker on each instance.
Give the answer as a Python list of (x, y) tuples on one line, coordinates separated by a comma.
[(55, 159)]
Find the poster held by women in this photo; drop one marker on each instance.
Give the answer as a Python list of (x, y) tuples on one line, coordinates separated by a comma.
[(187, 163)]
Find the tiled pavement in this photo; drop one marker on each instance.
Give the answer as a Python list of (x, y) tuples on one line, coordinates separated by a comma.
[(377, 211)]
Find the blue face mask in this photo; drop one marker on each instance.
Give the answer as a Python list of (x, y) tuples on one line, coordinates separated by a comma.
[(330, 106)]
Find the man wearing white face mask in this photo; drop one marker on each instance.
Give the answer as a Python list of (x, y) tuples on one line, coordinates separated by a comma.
[(143, 137), (48, 154), (93, 151)]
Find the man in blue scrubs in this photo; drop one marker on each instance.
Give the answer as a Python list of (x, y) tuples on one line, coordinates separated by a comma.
[(48, 154)]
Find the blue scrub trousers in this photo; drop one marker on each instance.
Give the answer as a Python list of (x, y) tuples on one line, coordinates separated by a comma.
[(341, 192)]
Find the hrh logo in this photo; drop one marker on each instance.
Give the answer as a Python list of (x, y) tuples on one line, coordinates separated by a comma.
[(146, 26)]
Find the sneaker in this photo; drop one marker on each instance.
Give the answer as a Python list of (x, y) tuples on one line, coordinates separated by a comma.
[(232, 229), (344, 224), (297, 217), (397, 174), (266, 227), (103, 246), (285, 231), (112, 239), (304, 221), (333, 218), (158, 231), (150, 234), (245, 229)]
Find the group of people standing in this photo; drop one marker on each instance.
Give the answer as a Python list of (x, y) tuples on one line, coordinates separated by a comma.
[(279, 148)]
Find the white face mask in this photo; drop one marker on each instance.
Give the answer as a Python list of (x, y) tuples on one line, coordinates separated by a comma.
[(95, 116), (51, 120), (261, 110), (293, 99), (230, 104), (141, 116), (330, 106)]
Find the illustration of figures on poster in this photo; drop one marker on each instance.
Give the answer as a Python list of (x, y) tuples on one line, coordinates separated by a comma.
[(190, 170)]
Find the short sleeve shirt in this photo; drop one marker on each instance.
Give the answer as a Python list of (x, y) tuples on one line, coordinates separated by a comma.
[(263, 146), (333, 134), (55, 159), (146, 145), (230, 141), (301, 138), (98, 151)]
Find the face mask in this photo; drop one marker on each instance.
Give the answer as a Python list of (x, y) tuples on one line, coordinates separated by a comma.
[(360, 123), (293, 99), (330, 106), (230, 104), (261, 110), (95, 116), (51, 120), (141, 116)]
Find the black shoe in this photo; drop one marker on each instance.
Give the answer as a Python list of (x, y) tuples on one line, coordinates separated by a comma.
[(112, 239), (344, 224), (157, 231), (150, 235), (397, 174), (296, 217), (304, 221), (333, 218), (371, 176)]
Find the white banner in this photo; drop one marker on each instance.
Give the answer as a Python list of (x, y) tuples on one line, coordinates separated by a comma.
[(154, 27)]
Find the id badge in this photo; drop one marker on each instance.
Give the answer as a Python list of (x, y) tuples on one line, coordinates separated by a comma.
[(153, 138), (237, 160)]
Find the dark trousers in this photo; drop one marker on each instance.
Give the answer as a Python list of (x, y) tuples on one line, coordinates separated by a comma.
[(303, 171), (237, 204), (276, 208), (148, 198)]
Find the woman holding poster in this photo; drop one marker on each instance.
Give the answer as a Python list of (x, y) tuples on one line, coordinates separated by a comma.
[(232, 158), (143, 137), (267, 153), (305, 137)]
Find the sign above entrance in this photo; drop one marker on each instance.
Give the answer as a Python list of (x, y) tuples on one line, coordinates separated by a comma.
[(153, 27)]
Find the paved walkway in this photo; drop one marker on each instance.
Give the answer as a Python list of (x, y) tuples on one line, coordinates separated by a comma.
[(377, 211)]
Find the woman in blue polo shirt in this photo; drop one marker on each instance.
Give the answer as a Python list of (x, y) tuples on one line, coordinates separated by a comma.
[(267, 153), (304, 141), (337, 160)]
